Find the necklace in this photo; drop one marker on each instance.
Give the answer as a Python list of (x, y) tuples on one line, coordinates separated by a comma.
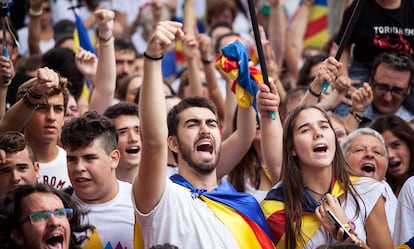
[(313, 191)]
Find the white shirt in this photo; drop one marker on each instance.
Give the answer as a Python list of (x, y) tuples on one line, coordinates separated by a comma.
[(185, 222), (55, 172)]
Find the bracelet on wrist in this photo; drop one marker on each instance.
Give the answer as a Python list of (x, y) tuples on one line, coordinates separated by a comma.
[(34, 95), (101, 39), (313, 93), (356, 115), (29, 104), (6, 84), (153, 58), (35, 13), (206, 61)]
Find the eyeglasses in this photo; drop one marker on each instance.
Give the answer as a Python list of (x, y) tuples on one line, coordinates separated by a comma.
[(44, 216), (395, 91)]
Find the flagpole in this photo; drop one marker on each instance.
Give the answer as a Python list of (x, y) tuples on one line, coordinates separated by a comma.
[(259, 47), (3, 15), (347, 34)]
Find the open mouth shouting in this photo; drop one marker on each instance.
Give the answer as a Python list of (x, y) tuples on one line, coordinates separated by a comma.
[(396, 167), (205, 148), (133, 150), (55, 240), (368, 169), (320, 148), (394, 164)]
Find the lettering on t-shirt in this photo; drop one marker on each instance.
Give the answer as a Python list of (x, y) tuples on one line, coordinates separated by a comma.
[(393, 38), (384, 30), (54, 182)]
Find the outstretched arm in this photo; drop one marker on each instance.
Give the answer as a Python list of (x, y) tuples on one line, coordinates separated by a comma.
[(206, 52), (328, 72), (150, 182), (238, 143), (34, 28), (361, 99), (103, 94), (6, 70), (18, 115), (271, 130), (190, 48), (277, 30)]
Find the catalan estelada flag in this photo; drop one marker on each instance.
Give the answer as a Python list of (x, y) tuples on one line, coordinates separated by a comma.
[(407, 245), (239, 212), (234, 61), (317, 29), (81, 39), (273, 208)]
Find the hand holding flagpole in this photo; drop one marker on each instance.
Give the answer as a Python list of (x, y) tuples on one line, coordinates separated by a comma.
[(259, 49), (345, 38)]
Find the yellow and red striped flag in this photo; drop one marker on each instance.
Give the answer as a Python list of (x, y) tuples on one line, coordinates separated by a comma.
[(317, 29)]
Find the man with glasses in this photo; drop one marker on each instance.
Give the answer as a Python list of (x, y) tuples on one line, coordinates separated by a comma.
[(39, 216), (386, 91)]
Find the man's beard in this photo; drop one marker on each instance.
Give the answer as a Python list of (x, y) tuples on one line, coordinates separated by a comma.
[(202, 168)]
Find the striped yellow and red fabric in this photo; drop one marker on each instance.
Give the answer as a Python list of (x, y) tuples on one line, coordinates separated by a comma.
[(273, 208), (239, 212), (234, 61), (317, 28)]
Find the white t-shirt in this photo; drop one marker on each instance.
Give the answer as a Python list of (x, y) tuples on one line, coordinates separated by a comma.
[(390, 205), (369, 190), (185, 222), (24, 43), (114, 220), (404, 219), (55, 173)]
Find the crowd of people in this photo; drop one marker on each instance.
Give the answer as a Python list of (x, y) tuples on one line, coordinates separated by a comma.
[(164, 135)]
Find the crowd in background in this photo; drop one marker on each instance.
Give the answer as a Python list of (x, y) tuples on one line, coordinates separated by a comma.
[(136, 136)]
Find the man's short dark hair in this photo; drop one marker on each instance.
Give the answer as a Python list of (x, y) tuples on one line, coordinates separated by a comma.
[(124, 43), (397, 61), (13, 142), (11, 211), (189, 102), (122, 108), (219, 25), (82, 131), (173, 115)]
